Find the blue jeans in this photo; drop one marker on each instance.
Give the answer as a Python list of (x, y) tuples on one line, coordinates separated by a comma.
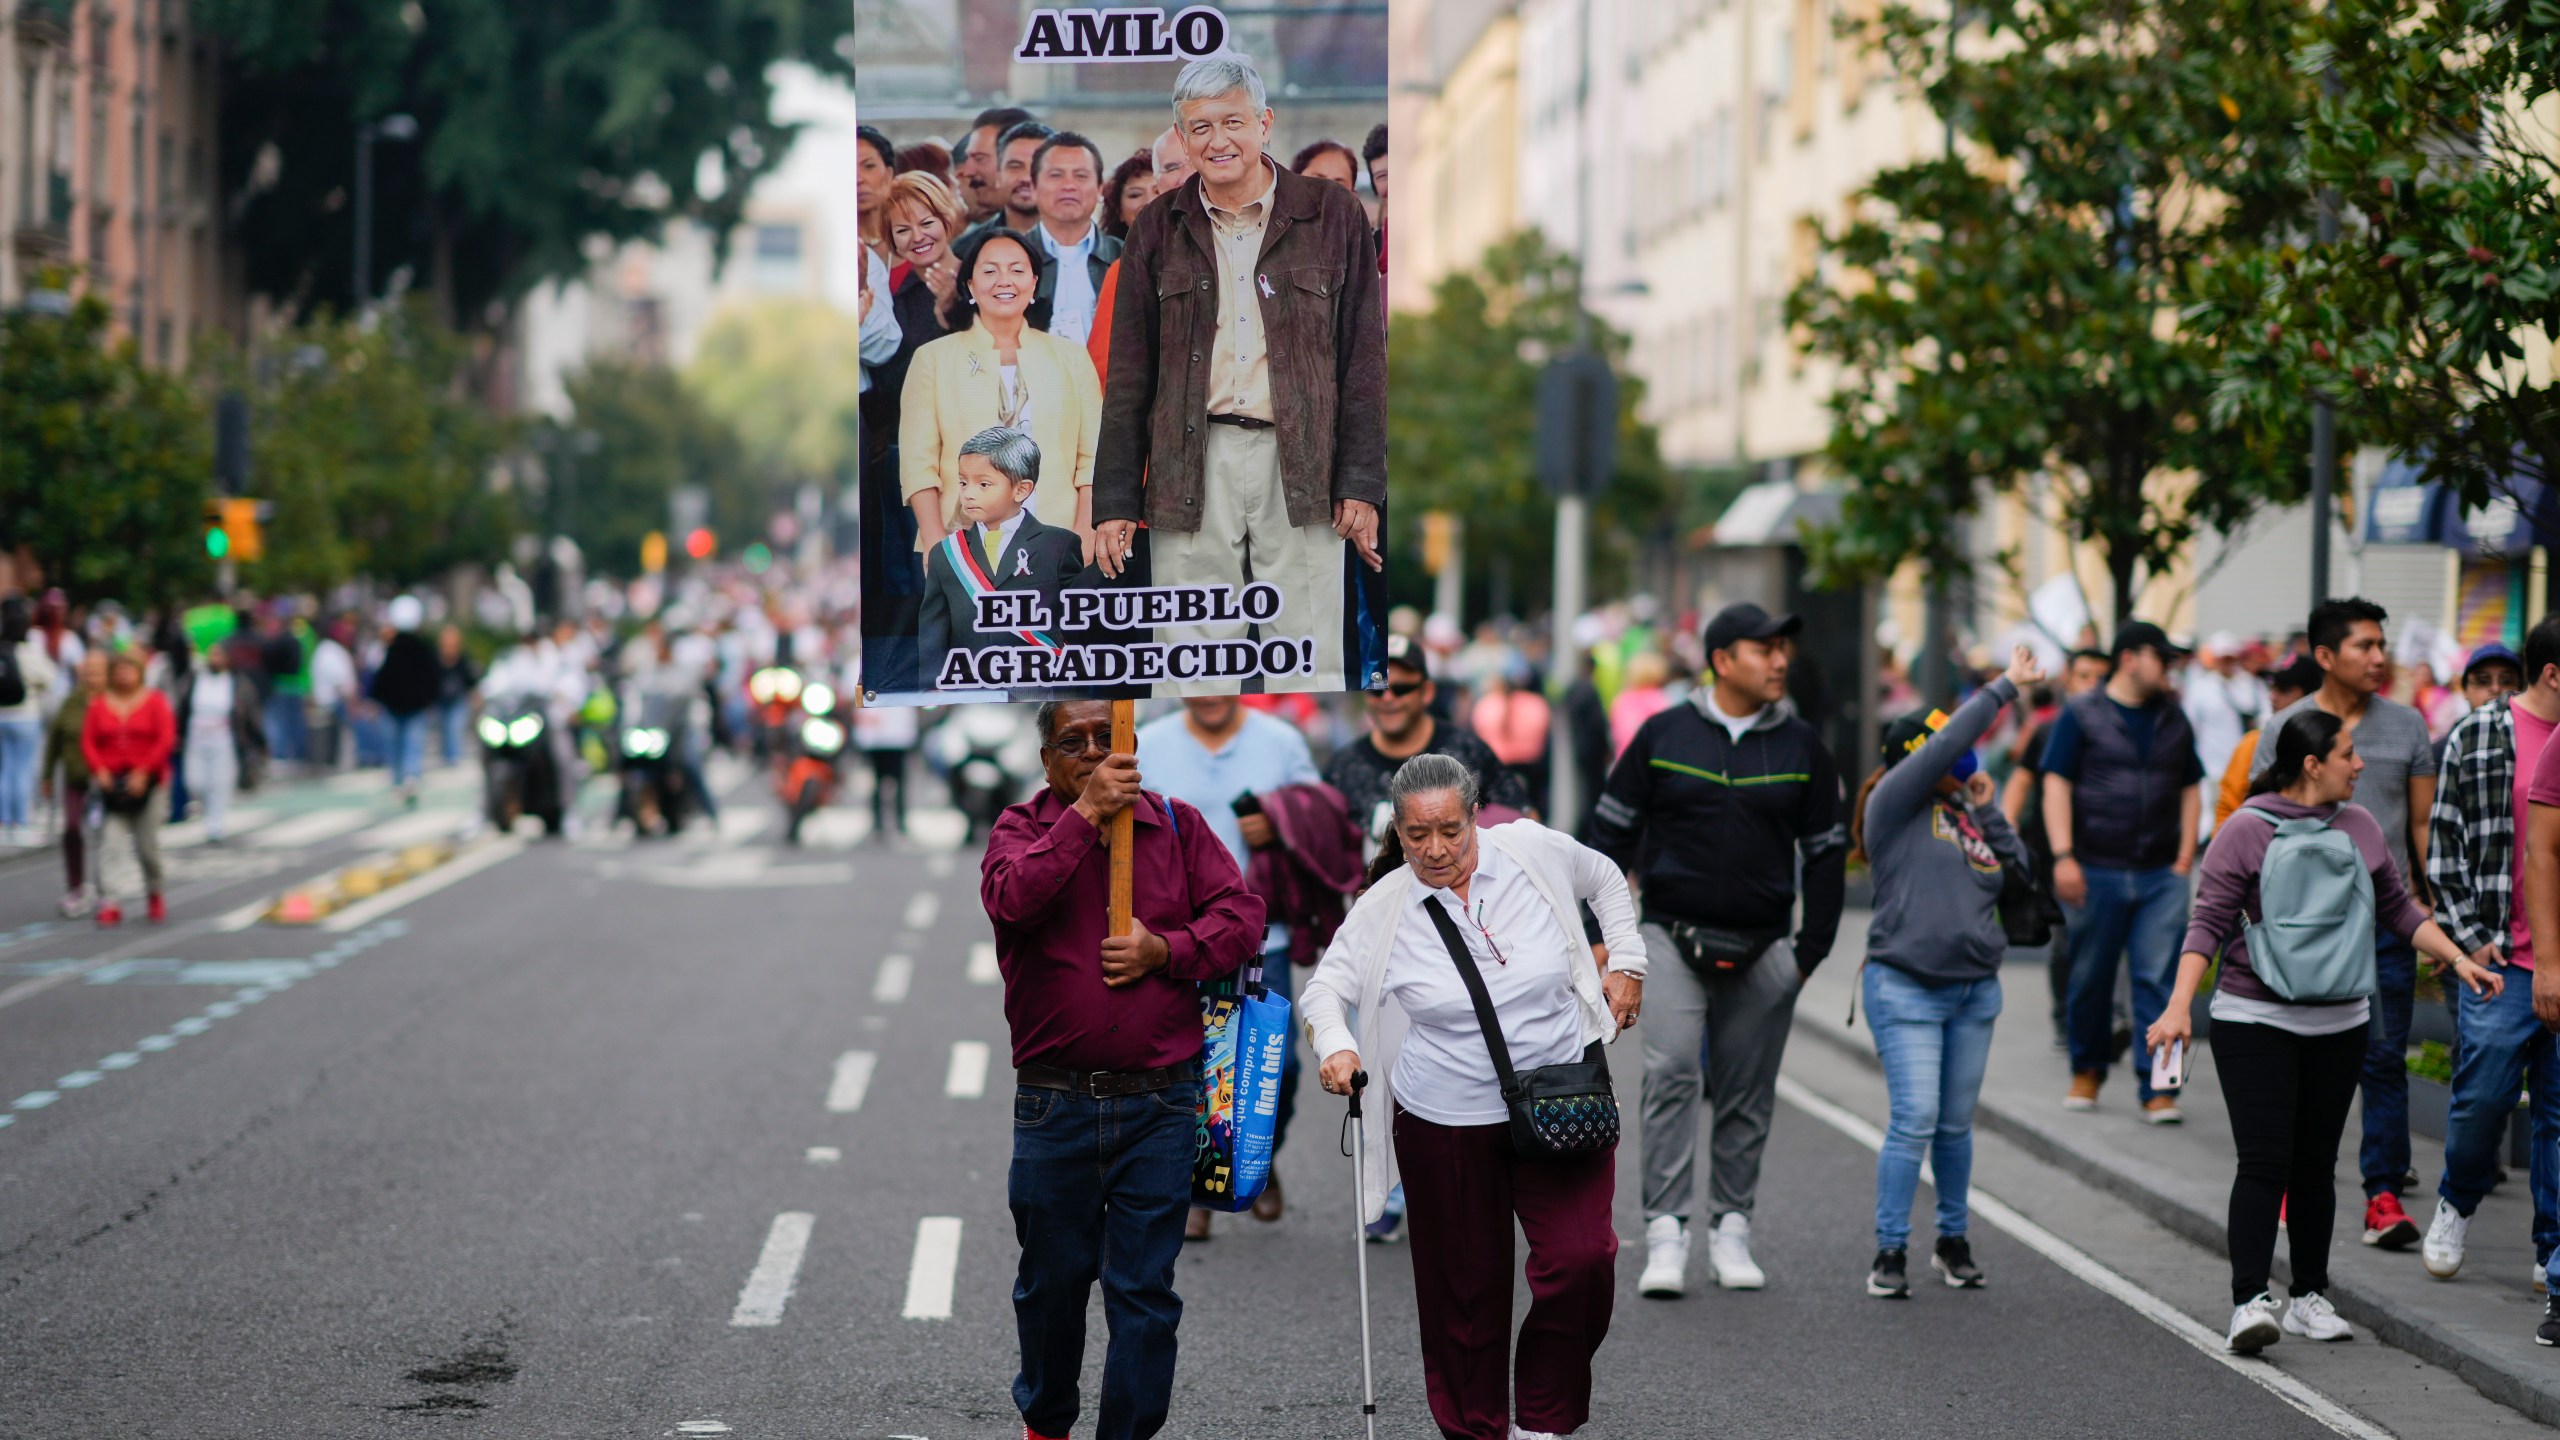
[(287, 732), (1935, 1042), (408, 743), (2502, 1043), (2384, 1156), (2140, 915), (450, 715), (1100, 1190), (21, 742)]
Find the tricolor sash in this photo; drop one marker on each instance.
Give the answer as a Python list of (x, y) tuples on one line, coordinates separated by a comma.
[(974, 579)]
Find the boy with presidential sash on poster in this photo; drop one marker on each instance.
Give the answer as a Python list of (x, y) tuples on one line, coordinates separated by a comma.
[(1001, 547)]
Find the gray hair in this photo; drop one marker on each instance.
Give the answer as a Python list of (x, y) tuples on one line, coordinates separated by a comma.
[(1211, 76), (1171, 137), (1428, 774), (1012, 452)]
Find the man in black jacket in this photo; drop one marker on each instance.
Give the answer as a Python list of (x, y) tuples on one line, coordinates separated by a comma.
[(1710, 809)]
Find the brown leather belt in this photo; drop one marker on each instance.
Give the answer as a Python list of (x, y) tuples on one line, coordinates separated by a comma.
[(1242, 422), (1103, 1084)]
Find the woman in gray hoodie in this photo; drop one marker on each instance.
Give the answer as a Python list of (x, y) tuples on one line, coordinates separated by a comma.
[(2289, 1069), (1927, 824)]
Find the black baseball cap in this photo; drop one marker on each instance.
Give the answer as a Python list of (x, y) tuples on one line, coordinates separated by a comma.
[(1404, 650), (2143, 635), (1907, 734), (1746, 621)]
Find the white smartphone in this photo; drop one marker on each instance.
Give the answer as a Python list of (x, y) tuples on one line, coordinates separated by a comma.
[(2169, 1066)]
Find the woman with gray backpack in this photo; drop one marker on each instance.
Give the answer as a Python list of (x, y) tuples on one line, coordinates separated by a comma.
[(2293, 888)]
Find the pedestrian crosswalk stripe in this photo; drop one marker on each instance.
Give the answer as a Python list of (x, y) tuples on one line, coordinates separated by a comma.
[(930, 1278), (921, 908), (768, 1286), (967, 1079), (896, 973), (853, 1079), (982, 963)]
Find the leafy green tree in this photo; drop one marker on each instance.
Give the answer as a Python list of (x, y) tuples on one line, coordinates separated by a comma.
[(782, 374), (2437, 144), (376, 459), (105, 464), (652, 435), (1462, 431), (2013, 310), (541, 127)]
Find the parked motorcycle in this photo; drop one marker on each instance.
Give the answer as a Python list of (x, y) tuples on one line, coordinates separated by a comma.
[(521, 773), (986, 754)]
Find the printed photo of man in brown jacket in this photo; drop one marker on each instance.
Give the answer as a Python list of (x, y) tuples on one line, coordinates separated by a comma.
[(1245, 416)]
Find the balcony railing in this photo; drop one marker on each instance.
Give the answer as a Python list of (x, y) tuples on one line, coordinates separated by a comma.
[(48, 232), (45, 21)]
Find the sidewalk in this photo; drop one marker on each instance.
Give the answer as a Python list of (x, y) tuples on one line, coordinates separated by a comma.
[(2478, 1325)]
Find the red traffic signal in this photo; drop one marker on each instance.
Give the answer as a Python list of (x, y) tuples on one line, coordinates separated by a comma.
[(699, 543)]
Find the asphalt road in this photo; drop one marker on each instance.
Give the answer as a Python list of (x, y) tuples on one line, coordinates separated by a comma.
[(519, 1157)]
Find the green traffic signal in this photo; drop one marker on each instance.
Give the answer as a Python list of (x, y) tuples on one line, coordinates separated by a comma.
[(217, 542)]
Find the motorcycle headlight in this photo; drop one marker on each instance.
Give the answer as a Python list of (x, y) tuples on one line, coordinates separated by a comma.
[(818, 699), (493, 732), (524, 728), (644, 742), (786, 684), (822, 737)]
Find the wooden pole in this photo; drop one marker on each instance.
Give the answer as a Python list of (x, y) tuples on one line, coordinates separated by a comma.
[(1124, 868)]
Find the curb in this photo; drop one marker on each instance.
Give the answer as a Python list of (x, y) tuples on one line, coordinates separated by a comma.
[(2535, 1394)]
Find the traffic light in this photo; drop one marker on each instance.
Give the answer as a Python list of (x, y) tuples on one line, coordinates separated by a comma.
[(653, 552), (231, 530), (700, 543)]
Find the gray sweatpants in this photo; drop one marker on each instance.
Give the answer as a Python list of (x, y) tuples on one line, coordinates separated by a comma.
[(1743, 1018)]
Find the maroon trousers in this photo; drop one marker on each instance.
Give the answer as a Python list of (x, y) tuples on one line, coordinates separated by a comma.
[(1462, 1189)]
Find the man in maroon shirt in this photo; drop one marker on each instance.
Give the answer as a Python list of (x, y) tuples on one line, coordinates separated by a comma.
[(1106, 1050)]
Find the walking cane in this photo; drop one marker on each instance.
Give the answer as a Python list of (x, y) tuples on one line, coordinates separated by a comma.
[(1360, 1246)]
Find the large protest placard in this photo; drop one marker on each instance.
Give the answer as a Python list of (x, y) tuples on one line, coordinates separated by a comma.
[(1130, 437)]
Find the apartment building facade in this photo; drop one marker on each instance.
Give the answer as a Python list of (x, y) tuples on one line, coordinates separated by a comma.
[(109, 165)]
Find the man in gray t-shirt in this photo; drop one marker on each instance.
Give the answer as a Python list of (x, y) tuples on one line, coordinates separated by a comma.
[(2399, 782), (2399, 762)]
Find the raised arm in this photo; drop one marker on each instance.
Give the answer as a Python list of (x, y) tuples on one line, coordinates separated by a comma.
[(1027, 865)]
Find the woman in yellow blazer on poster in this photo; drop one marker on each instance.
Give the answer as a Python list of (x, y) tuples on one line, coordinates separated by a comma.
[(999, 371)]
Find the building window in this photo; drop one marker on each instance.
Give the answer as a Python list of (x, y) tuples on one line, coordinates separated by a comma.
[(777, 257)]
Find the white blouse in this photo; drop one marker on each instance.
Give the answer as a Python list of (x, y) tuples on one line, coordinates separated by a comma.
[(1444, 1074)]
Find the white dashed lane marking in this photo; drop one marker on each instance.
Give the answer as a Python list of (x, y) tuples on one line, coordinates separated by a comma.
[(921, 910), (936, 1267), (967, 1078), (853, 1080), (768, 1287), (896, 974), (982, 963)]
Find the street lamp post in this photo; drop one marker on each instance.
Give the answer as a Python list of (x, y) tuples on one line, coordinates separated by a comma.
[(389, 127)]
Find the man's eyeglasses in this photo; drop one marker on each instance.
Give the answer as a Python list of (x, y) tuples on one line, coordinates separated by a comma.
[(1076, 747), (1401, 689)]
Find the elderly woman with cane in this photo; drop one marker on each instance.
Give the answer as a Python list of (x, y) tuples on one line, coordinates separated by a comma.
[(1481, 1013)]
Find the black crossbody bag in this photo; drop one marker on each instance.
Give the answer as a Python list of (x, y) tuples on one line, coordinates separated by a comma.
[(1557, 1111)]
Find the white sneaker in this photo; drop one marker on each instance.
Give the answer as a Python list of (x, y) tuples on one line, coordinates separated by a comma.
[(2446, 1235), (2254, 1326), (2313, 1318), (1519, 1434), (1666, 1258), (1729, 1254)]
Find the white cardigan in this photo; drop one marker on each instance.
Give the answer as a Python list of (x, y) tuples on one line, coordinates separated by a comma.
[(1349, 980)]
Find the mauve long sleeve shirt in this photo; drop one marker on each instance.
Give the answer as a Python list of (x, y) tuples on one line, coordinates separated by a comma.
[(1046, 882), (2227, 897)]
